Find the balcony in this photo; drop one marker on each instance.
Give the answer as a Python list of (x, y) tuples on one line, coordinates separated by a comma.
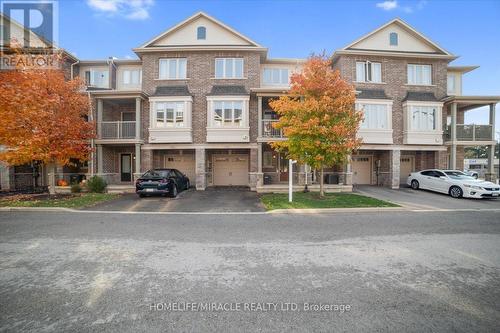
[(471, 133), (117, 130), (268, 131)]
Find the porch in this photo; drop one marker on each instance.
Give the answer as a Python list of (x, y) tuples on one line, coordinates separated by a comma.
[(459, 135)]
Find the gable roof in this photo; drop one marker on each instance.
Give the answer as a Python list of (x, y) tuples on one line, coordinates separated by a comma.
[(423, 46), (244, 41)]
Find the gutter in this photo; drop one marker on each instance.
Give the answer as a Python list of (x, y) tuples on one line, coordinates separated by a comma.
[(75, 63)]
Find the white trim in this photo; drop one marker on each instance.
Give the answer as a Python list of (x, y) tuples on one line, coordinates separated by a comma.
[(171, 99), (404, 25), (192, 18)]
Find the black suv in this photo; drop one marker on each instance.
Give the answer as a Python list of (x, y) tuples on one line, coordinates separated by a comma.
[(161, 181)]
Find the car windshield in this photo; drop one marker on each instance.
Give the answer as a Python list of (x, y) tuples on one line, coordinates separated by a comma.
[(156, 174), (457, 175)]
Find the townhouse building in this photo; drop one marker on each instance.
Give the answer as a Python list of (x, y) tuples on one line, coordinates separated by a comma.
[(197, 99)]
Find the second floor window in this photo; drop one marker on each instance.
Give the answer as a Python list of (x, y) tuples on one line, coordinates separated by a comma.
[(375, 116), (367, 71), (229, 68), (228, 113), (170, 114), (451, 84), (97, 78), (275, 76), (132, 77), (172, 68), (423, 118), (419, 74)]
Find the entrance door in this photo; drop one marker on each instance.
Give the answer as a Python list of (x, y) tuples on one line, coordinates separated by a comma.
[(406, 168), (230, 170), (361, 170), (283, 168), (126, 167)]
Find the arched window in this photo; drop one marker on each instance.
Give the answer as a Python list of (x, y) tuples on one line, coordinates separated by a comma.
[(393, 39), (202, 33)]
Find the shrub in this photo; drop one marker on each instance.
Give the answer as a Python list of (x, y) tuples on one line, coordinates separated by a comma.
[(96, 184), (76, 188)]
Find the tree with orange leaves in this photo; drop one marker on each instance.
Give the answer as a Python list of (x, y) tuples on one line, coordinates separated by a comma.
[(318, 117), (42, 117)]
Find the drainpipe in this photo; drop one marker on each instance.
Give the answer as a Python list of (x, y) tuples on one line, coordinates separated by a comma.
[(92, 145)]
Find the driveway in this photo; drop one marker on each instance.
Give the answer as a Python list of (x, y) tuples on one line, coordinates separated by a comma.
[(213, 199), (422, 199), (398, 271)]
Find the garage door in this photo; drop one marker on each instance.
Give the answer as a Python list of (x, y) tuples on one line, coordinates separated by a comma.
[(230, 170), (406, 168), (183, 163), (361, 170)]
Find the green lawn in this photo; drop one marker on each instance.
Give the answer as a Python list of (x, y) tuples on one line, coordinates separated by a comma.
[(312, 200), (67, 201)]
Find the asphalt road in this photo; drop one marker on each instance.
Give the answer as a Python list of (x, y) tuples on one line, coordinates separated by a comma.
[(397, 271)]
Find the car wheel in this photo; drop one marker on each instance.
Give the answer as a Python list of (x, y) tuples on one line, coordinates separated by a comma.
[(414, 184), (476, 176), (188, 185), (173, 192), (456, 192), (141, 195)]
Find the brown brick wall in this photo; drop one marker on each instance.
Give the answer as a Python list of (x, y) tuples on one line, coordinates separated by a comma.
[(200, 74), (394, 80)]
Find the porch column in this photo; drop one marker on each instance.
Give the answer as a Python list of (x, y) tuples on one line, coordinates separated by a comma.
[(490, 173), (137, 160), (5, 176), (201, 180), (453, 129), (348, 171), (259, 111), (395, 168), (100, 169), (254, 167), (137, 120), (99, 117), (260, 174)]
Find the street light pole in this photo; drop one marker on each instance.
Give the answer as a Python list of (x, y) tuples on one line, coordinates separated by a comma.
[(290, 179)]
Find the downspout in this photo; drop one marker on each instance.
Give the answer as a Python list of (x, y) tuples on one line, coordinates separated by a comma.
[(92, 145)]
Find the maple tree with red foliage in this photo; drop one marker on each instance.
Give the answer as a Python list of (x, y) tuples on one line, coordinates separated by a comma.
[(43, 117), (318, 117)]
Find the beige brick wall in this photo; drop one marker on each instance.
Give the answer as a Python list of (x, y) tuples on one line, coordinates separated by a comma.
[(200, 79)]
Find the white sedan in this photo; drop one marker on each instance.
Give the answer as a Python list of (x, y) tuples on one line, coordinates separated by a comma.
[(455, 183)]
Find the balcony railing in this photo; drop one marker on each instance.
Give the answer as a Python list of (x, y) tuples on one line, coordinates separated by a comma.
[(471, 132), (117, 130), (268, 131)]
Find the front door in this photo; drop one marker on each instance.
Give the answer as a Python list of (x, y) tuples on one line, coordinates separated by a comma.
[(283, 167), (126, 167)]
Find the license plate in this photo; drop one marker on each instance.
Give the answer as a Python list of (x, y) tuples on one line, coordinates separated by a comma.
[(149, 189), (495, 194)]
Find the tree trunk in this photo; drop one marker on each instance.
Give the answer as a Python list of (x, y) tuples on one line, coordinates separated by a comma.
[(52, 178), (321, 179)]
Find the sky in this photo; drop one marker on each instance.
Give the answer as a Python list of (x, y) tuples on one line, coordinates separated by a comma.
[(98, 29)]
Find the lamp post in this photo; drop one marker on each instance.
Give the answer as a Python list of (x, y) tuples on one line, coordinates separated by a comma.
[(306, 167)]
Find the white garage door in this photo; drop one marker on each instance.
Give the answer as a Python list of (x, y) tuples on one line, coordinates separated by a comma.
[(361, 170), (230, 170), (406, 168), (183, 163)]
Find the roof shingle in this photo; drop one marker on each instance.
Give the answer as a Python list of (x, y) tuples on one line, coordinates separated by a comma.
[(371, 94), (420, 96), (172, 91), (219, 90)]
